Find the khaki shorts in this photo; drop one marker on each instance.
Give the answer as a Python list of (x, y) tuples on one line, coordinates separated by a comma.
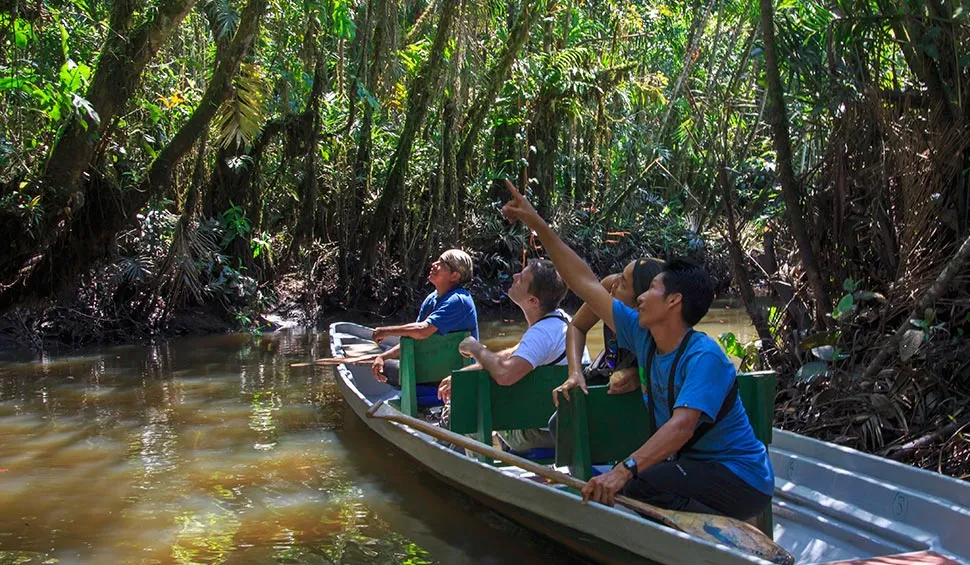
[(524, 440)]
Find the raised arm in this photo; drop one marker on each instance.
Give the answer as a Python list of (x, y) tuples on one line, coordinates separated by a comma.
[(571, 266), (583, 321)]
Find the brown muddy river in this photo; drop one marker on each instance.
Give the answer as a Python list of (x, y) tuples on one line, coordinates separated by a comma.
[(215, 450)]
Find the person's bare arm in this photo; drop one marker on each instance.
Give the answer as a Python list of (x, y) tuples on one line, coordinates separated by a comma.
[(377, 365), (571, 267), (505, 369), (504, 353), (624, 381), (444, 389), (668, 440), (416, 330), (576, 334)]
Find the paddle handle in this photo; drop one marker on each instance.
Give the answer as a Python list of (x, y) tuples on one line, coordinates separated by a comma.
[(386, 412)]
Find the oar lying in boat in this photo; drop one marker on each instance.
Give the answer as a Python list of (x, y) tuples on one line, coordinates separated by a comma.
[(716, 529), (338, 361)]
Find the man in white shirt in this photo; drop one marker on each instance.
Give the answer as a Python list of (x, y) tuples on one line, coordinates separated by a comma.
[(537, 290)]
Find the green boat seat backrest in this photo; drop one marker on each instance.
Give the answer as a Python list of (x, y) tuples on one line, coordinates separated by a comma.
[(480, 406), (758, 397), (428, 360), (601, 429), (598, 428)]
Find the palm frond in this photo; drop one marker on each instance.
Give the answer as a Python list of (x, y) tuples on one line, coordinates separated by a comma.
[(137, 268), (223, 18), (242, 116)]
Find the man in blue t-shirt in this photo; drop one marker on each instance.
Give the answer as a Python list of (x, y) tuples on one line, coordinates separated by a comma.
[(727, 470), (449, 308)]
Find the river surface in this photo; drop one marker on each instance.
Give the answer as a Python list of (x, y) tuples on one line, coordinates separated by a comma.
[(215, 450)]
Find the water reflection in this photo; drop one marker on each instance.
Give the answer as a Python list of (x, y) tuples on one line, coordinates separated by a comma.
[(214, 450)]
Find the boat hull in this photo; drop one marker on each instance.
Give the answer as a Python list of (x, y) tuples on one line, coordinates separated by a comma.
[(831, 503)]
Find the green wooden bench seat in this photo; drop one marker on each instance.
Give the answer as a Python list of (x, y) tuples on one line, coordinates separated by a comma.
[(479, 405), (428, 360), (601, 429)]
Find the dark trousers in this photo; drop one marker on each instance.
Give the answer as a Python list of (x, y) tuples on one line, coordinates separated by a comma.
[(697, 486)]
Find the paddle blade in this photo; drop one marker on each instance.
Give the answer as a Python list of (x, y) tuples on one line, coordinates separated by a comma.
[(733, 533)]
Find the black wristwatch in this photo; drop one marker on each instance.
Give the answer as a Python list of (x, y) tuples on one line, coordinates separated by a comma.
[(630, 464)]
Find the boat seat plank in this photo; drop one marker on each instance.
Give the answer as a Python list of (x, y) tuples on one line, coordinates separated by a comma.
[(916, 558), (599, 428)]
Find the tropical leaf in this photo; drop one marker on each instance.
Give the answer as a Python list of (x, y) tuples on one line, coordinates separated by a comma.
[(242, 116), (910, 343), (811, 371), (135, 269), (222, 17)]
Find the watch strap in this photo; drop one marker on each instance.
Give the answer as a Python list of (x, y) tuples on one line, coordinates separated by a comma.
[(631, 465)]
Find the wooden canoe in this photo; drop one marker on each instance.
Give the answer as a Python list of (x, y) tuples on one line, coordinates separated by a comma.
[(831, 504)]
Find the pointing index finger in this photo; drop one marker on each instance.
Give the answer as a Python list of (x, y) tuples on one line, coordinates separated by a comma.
[(511, 187)]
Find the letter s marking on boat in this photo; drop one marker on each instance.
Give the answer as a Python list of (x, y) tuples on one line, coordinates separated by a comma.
[(791, 469), (900, 505)]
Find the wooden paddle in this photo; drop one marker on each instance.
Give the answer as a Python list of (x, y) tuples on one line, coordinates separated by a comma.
[(366, 352), (338, 361), (716, 529)]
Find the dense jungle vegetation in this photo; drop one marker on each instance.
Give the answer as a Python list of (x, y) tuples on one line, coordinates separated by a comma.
[(164, 157)]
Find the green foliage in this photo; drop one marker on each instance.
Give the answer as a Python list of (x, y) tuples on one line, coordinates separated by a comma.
[(236, 224), (223, 18), (343, 23), (731, 345), (811, 371), (242, 116)]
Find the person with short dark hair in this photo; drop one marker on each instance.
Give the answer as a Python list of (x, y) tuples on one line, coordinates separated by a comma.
[(537, 290), (703, 455), (614, 365), (545, 284), (448, 308)]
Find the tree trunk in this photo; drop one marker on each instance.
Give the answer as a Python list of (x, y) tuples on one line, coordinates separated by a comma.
[(94, 228), (425, 85), (543, 135), (689, 57), (452, 216), (369, 71), (306, 225), (778, 117), (495, 79), (123, 59), (28, 267), (216, 92), (769, 348)]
